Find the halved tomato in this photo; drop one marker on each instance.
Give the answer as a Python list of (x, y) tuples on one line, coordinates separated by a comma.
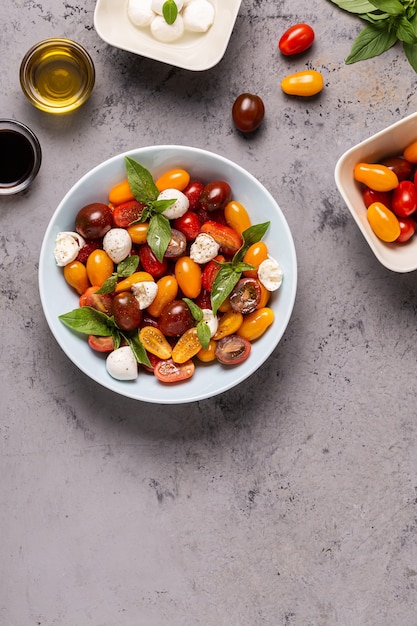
[(232, 350), (169, 372)]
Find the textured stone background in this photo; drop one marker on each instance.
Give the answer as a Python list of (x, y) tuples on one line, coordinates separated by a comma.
[(289, 501)]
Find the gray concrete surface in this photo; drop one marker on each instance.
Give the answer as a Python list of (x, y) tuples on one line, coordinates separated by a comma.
[(289, 501)]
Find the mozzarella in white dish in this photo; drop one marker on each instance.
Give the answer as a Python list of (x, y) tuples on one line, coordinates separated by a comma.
[(270, 274), (67, 247), (198, 16), (117, 243), (167, 33), (140, 12), (121, 364)]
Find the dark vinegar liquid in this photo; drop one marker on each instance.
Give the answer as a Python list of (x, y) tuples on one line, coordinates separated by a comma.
[(17, 158)]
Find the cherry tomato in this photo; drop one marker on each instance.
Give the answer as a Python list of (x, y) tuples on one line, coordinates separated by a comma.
[(404, 199), (173, 179), (248, 111), (229, 323), (126, 213), (138, 232), (203, 300), (245, 295), (402, 168), (227, 238), (99, 301), (265, 296), (232, 350), (193, 193), (376, 176), (121, 193), (304, 83), (170, 372), (370, 196), (167, 292), (215, 195), (410, 153), (210, 272), (296, 39), (255, 324), (175, 318), (99, 267), (383, 222), (187, 346), (150, 263), (155, 342), (101, 344), (188, 224), (407, 228), (136, 277), (254, 255), (237, 216), (86, 250), (188, 275), (177, 244), (75, 274), (206, 355), (126, 311), (94, 220)]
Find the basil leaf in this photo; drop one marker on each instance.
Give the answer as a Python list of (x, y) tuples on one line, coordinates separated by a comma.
[(109, 285), (159, 206), (226, 278), (411, 54), (241, 267), (158, 235), (203, 334), (371, 42), (195, 310), (117, 339), (141, 182), (405, 31), (128, 266), (354, 6), (392, 7), (169, 11), (251, 235), (138, 349), (89, 321)]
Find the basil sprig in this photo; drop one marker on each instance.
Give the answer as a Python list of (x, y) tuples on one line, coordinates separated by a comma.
[(170, 11), (146, 192), (203, 330), (123, 270), (231, 271), (389, 21), (89, 321)]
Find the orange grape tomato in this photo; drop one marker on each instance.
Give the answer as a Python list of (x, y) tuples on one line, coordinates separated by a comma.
[(229, 323), (173, 179), (304, 83), (375, 176), (254, 255), (237, 216), (167, 292), (187, 346), (255, 324), (410, 153), (99, 267), (206, 355), (120, 193), (265, 295), (383, 222), (154, 341), (188, 274), (75, 274), (225, 306), (138, 232), (136, 277)]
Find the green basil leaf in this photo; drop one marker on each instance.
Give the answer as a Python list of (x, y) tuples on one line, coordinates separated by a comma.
[(226, 278), (169, 11), (158, 235), (89, 321), (251, 235), (203, 334), (411, 54), (405, 31), (159, 206), (138, 349), (371, 42), (241, 267), (354, 6), (141, 182), (109, 285), (392, 7), (375, 18), (128, 266), (117, 338), (195, 310)]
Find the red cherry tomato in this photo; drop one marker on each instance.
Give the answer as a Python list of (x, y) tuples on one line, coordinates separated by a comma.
[(296, 39), (407, 227), (101, 344), (404, 199), (210, 272), (150, 263), (248, 111), (370, 196), (193, 193), (169, 372), (126, 213), (188, 224)]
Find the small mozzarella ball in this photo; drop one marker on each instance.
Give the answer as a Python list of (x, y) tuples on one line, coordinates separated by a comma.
[(180, 205), (145, 293), (211, 321), (67, 247), (167, 33), (158, 4), (121, 364), (140, 12), (204, 248), (270, 274), (198, 16), (117, 243)]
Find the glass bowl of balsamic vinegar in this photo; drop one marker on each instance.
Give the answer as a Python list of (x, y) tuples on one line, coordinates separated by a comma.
[(20, 156)]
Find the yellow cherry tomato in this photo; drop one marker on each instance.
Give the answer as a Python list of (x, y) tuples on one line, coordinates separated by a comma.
[(383, 222), (225, 306), (75, 274), (154, 341), (410, 153), (99, 267), (188, 274), (237, 216), (254, 255), (229, 323), (173, 179), (265, 295), (136, 277), (138, 232), (305, 83), (255, 324), (187, 346), (375, 176), (120, 193), (206, 355), (167, 292)]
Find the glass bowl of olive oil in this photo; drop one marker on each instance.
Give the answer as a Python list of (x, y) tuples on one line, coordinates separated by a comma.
[(57, 75)]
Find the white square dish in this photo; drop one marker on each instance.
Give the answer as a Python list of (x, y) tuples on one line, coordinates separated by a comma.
[(193, 51)]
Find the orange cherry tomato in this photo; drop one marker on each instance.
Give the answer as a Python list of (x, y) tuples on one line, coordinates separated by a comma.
[(304, 83), (255, 324), (229, 323), (188, 275), (375, 176), (227, 238), (237, 216), (383, 222), (138, 232), (99, 267), (187, 346), (206, 355), (136, 277), (265, 295), (75, 274), (173, 179), (120, 193), (254, 255), (154, 341), (410, 153), (167, 292), (225, 306)]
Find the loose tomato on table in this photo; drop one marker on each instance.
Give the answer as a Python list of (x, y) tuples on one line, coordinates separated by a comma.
[(304, 83), (248, 111), (296, 39)]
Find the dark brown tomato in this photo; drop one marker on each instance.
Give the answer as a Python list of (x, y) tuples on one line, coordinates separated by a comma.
[(216, 195), (126, 311), (177, 245), (175, 319), (245, 295), (232, 350), (399, 166), (248, 112), (94, 220)]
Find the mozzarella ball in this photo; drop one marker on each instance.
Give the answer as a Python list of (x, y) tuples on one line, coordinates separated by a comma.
[(198, 16), (167, 33), (121, 364), (67, 247), (140, 12), (270, 274), (117, 243), (211, 321), (158, 4), (204, 248), (145, 293), (180, 205)]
